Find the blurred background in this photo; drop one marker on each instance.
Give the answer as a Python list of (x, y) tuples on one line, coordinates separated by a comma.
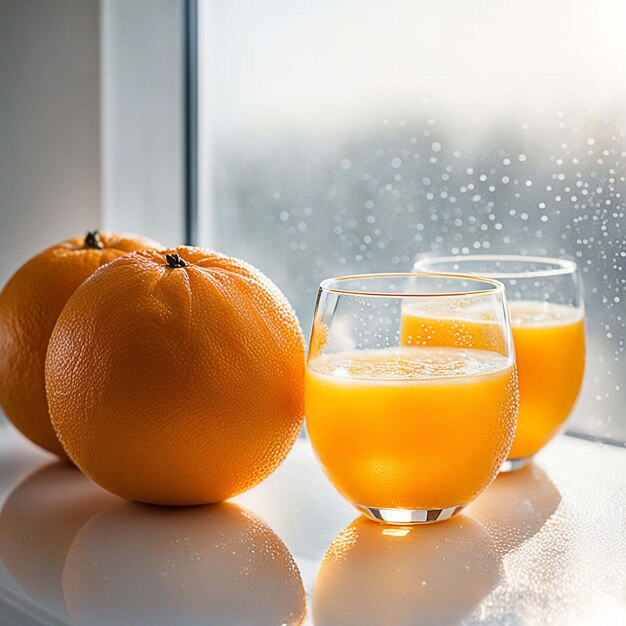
[(325, 138)]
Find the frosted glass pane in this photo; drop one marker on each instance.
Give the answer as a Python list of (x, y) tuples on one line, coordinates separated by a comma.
[(343, 137)]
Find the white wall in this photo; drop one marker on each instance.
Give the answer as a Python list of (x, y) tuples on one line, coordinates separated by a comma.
[(49, 125), (91, 121)]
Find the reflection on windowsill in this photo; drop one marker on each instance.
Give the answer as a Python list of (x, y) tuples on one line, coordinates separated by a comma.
[(16, 463), (516, 506), (432, 575), (91, 558), (38, 522)]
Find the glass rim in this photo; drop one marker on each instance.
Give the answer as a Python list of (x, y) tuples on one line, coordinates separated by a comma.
[(559, 266), (496, 287)]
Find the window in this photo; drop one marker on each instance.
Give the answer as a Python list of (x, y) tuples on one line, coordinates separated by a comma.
[(350, 137)]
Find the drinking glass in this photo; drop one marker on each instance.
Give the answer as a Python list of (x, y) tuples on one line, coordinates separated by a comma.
[(545, 301), (409, 433)]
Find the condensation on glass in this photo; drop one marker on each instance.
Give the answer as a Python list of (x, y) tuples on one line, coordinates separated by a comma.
[(351, 137)]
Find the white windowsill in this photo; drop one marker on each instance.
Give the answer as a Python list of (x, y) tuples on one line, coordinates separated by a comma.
[(549, 547)]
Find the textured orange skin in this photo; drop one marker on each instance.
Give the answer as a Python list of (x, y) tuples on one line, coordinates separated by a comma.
[(177, 386), (30, 304)]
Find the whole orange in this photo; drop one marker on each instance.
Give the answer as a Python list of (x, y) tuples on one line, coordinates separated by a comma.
[(30, 304), (176, 377)]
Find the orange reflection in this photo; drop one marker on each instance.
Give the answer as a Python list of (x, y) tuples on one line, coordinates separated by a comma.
[(38, 523), (216, 564)]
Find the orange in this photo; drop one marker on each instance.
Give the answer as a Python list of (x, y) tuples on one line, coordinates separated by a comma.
[(134, 564), (177, 377), (30, 304)]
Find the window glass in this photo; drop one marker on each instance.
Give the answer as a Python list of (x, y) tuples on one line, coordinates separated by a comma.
[(350, 137)]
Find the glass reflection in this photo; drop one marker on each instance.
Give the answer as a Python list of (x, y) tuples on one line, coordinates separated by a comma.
[(38, 523), (217, 564), (432, 575), (516, 506)]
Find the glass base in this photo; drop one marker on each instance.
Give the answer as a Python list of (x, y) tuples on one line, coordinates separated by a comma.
[(408, 516), (512, 465)]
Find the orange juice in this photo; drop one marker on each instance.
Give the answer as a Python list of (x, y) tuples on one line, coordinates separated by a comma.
[(411, 428), (470, 328), (550, 352)]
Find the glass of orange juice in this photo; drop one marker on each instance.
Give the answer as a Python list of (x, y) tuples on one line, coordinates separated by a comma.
[(408, 434), (547, 315)]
